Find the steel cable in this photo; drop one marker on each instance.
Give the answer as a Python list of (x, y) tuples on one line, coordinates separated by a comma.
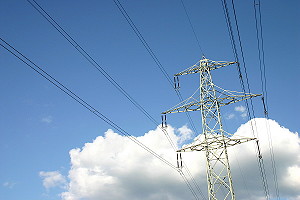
[(154, 57), (262, 68), (78, 99), (103, 72), (230, 31), (192, 27)]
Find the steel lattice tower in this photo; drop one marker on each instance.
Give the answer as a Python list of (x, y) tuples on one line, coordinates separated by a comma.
[(214, 140)]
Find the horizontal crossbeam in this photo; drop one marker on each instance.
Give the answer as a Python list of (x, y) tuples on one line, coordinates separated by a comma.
[(209, 64), (213, 142)]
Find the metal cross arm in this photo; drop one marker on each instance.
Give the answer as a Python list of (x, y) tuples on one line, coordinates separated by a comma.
[(213, 142), (225, 97), (198, 67)]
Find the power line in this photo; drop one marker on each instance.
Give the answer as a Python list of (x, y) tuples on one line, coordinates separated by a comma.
[(194, 181), (158, 63), (262, 68), (150, 51), (78, 99), (188, 184), (94, 63), (102, 71), (229, 26), (259, 36), (260, 46), (154, 57), (190, 22), (260, 158), (142, 39), (87, 56)]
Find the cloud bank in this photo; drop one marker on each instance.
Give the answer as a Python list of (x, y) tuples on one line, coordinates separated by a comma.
[(113, 167)]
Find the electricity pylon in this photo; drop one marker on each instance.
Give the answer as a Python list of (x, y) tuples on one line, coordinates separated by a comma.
[(214, 140)]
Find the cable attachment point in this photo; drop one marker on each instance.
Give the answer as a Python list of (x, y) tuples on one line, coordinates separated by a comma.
[(176, 83), (179, 161), (164, 121), (265, 108)]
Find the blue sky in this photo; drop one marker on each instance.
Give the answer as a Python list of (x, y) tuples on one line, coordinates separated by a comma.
[(39, 124)]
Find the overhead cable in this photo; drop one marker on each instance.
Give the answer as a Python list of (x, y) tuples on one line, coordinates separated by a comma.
[(233, 43), (89, 58), (99, 68), (260, 46), (154, 57), (152, 54), (262, 68), (78, 99), (192, 27), (94, 63)]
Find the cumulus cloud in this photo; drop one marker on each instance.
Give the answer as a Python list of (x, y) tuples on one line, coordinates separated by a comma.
[(113, 167), (286, 149), (53, 179)]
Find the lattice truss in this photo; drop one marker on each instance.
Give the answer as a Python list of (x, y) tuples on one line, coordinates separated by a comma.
[(208, 99)]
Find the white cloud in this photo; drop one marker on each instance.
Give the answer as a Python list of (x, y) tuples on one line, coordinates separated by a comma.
[(292, 178), (240, 109), (184, 134), (113, 167), (230, 116), (53, 179), (286, 149), (47, 119)]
